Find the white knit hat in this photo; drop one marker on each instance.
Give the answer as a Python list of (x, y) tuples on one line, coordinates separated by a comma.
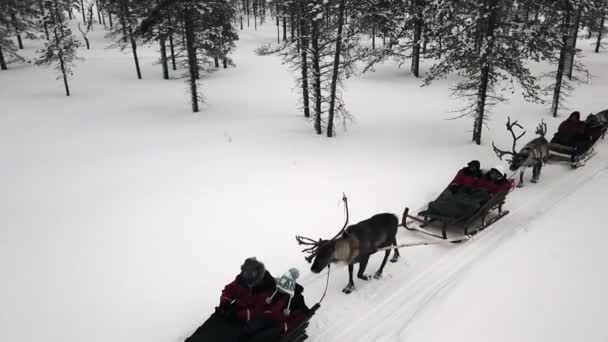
[(287, 285)]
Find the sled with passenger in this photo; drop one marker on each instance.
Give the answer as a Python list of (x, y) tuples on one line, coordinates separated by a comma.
[(472, 202), (256, 307), (575, 141)]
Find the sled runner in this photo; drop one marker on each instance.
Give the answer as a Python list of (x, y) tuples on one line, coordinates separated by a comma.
[(562, 154), (435, 225)]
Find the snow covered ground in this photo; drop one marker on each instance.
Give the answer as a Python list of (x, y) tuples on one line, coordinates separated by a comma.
[(123, 214)]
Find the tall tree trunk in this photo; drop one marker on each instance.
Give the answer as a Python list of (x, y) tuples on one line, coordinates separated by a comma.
[(374, 37), (134, 48), (247, 13), (292, 25), (284, 28), (42, 13), (127, 32), (572, 42), (600, 31), (65, 77), (171, 46), (110, 19), (216, 61), (192, 59), (255, 15), (416, 47), (304, 58), (336, 71), (98, 12), (561, 64), (84, 17), (2, 61), (278, 31), (225, 63), (486, 68), (163, 57), (316, 70), (16, 27)]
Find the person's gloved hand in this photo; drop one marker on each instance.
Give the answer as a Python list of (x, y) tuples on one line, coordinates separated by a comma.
[(226, 310)]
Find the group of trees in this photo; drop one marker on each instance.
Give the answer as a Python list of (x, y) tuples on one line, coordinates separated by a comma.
[(190, 33), (489, 43)]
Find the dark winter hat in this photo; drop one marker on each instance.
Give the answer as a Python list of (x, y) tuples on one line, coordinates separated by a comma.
[(575, 115), (474, 164), (252, 272)]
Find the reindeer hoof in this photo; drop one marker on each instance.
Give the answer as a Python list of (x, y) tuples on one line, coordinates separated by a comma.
[(364, 276), (348, 289), (378, 275), (395, 259), (520, 185), (534, 181)]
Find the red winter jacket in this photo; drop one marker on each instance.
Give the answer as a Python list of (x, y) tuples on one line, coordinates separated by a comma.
[(274, 312), (571, 127), (493, 187), (462, 178), (250, 303)]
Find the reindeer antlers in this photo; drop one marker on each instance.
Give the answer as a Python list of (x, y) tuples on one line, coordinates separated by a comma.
[(541, 129), (313, 250), (500, 153), (510, 129)]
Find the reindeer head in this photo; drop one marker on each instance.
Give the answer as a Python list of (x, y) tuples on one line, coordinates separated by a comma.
[(321, 252), (521, 158), (324, 255)]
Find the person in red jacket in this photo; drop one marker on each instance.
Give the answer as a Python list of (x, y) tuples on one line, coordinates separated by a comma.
[(286, 307), (495, 181), (570, 131), (284, 311), (594, 128), (246, 296), (468, 175)]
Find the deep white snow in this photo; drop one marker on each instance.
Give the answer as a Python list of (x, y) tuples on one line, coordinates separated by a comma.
[(123, 214)]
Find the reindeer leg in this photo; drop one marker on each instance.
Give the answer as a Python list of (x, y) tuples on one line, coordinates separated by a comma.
[(521, 179), (362, 265), (535, 173), (351, 284), (396, 254), (378, 274)]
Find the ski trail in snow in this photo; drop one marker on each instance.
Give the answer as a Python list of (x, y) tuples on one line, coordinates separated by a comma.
[(383, 310)]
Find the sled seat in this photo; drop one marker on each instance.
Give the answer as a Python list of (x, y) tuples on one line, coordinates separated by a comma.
[(469, 225)]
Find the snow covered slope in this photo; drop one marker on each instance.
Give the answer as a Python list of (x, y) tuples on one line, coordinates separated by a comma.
[(123, 214)]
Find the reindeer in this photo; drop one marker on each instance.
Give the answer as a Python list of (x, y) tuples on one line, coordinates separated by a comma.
[(355, 244), (533, 154)]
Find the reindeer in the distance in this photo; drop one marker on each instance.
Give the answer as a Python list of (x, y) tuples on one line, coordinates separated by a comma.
[(354, 244), (533, 154)]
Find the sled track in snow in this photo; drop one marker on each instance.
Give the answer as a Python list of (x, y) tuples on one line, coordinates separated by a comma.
[(382, 310)]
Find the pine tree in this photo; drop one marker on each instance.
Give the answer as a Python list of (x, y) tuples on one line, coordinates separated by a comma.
[(206, 25), (568, 13), (323, 57), (488, 44), (128, 12), (17, 18), (60, 50)]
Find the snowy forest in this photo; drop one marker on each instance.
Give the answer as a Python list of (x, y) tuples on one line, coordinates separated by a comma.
[(489, 44), (151, 149)]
